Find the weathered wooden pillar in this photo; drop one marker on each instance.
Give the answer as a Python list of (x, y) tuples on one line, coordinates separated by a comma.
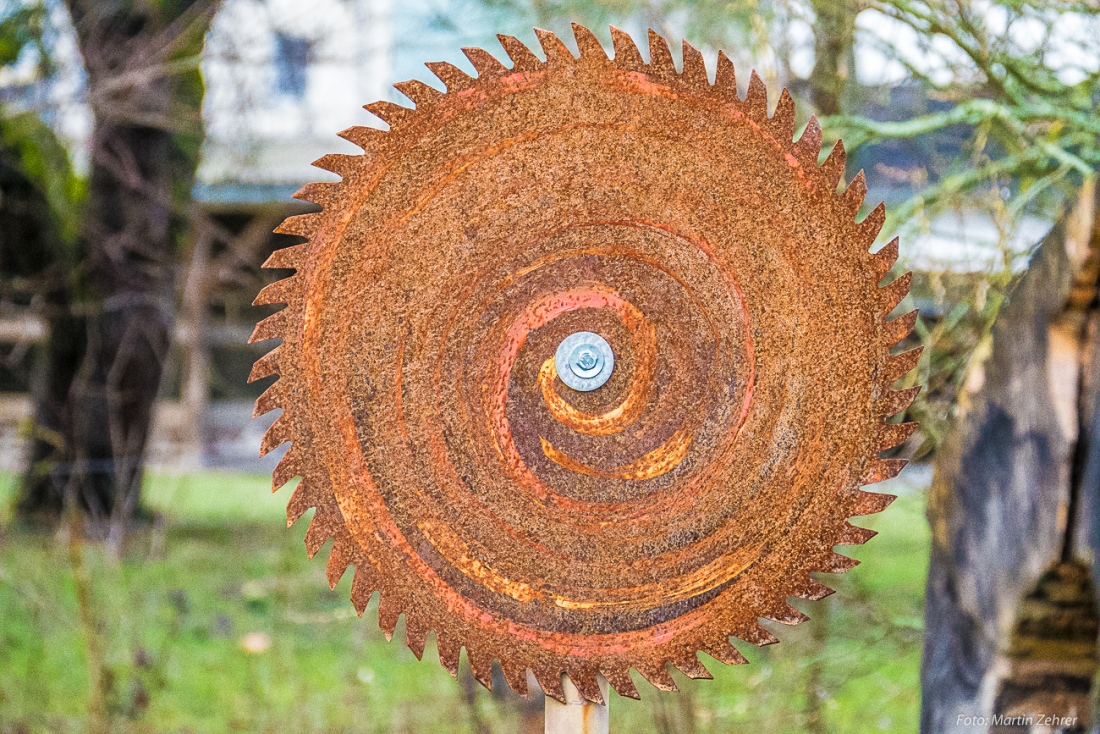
[(1011, 607)]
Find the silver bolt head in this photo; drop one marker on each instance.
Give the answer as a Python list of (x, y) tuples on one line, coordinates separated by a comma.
[(584, 361)]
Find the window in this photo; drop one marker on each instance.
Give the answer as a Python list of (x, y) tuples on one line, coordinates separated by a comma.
[(292, 55)]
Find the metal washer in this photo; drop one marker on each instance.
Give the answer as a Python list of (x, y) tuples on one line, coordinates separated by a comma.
[(576, 376)]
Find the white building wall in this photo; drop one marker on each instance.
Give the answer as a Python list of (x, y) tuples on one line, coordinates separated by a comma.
[(259, 134)]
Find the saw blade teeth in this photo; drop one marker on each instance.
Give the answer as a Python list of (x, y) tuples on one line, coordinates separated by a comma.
[(879, 470), (455, 79), (870, 226), (807, 148), (782, 122), (589, 46), (899, 365), (481, 666), (833, 167), (265, 366), (895, 401), (272, 327), (287, 258), (725, 79), (322, 194), (695, 68), (319, 532), (851, 199), (724, 652), (692, 667), (550, 683), (338, 562), (657, 675), (273, 398), (340, 164), (303, 499), (419, 93), (279, 292), (523, 58), (837, 563), (894, 330), (316, 537), (363, 586), (449, 651), (757, 635), (815, 590), (894, 292), (302, 225), (389, 613), (788, 615), (587, 683), (279, 433), (627, 55), (556, 51), (484, 62), (515, 676), (756, 98), (392, 114), (288, 467), (619, 679), (885, 258), (854, 535), (660, 56), (894, 434), (871, 503), (416, 635), (367, 138), (328, 516)]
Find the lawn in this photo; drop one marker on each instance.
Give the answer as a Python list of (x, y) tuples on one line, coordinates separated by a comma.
[(215, 621)]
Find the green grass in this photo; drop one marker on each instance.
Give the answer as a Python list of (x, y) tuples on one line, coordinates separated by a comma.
[(221, 574)]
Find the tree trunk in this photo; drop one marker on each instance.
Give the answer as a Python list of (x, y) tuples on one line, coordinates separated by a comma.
[(1011, 617), (104, 358), (834, 40)]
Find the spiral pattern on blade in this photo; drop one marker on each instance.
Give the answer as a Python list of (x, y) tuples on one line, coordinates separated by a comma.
[(585, 532)]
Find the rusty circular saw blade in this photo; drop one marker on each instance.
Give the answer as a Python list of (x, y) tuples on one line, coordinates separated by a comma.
[(638, 524)]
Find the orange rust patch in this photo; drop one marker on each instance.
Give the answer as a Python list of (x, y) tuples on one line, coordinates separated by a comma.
[(457, 552), (660, 460)]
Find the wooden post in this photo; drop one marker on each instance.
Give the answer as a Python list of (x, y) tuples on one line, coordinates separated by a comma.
[(576, 715), (195, 387), (1014, 503)]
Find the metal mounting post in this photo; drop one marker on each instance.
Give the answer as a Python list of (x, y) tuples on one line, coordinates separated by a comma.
[(577, 715)]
